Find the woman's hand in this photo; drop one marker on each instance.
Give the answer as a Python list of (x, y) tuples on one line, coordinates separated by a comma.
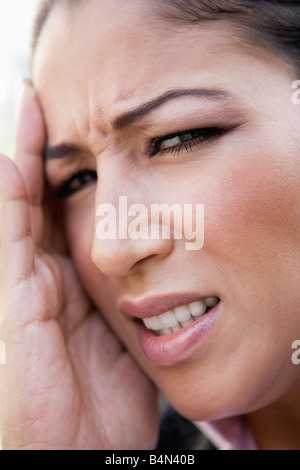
[(67, 383)]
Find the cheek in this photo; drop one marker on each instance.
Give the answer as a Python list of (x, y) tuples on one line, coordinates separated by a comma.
[(79, 223), (101, 289), (253, 213)]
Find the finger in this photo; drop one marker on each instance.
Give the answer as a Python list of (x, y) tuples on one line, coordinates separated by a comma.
[(17, 248), (31, 138)]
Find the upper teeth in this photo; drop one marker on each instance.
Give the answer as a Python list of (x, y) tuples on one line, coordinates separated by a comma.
[(179, 317)]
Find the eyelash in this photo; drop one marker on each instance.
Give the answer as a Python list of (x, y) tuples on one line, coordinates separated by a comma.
[(197, 137), (64, 190)]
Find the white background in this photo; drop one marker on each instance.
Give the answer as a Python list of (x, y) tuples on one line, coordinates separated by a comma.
[(16, 19)]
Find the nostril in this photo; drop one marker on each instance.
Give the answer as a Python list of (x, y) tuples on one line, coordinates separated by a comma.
[(141, 262), (122, 257)]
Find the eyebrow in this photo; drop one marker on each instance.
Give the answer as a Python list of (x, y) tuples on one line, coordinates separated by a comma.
[(129, 117), (61, 151), (133, 115)]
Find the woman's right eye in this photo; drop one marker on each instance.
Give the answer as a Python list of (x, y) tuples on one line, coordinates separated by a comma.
[(74, 184)]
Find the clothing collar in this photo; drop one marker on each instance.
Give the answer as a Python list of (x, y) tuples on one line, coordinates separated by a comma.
[(229, 434)]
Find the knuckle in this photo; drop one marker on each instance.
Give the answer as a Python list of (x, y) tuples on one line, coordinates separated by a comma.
[(19, 236), (34, 200)]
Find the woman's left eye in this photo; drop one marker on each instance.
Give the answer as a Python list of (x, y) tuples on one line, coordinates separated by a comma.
[(183, 141)]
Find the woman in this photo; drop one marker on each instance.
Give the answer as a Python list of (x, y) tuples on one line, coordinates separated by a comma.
[(158, 102)]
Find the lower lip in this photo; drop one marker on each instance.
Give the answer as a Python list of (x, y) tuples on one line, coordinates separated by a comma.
[(176, 347)]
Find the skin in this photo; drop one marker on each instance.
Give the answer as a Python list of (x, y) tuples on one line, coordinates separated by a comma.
[(248, 180), (67, 381)]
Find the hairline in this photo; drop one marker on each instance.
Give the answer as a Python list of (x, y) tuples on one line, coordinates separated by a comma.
[(250, 35)]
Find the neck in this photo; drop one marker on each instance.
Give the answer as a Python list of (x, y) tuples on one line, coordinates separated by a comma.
[(278, 426)]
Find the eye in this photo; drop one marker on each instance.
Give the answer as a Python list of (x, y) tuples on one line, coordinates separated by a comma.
[(183, 141), (74, 184)]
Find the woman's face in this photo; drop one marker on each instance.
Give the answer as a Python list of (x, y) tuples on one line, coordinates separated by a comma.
[(164, 113)]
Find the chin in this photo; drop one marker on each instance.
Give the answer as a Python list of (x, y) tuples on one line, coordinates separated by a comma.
[(209, 399)]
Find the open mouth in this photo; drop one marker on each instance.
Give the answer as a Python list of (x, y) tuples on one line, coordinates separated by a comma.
[(174, 320)]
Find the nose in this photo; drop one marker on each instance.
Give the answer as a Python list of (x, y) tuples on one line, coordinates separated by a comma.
[(119, 258), (125, 236), (120, 246)]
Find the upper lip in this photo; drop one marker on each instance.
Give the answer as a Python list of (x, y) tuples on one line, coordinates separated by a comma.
[(156, 305)]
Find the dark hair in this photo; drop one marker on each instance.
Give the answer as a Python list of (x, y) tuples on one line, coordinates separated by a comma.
[(44, 9), (273, 24)]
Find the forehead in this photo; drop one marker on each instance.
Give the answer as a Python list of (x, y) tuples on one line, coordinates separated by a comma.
[(98, 58)]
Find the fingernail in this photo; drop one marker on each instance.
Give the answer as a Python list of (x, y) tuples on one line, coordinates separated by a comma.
[(24, 90), (29, 90)]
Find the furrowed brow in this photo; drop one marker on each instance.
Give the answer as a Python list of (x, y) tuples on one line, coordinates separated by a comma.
[(133, 115)]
